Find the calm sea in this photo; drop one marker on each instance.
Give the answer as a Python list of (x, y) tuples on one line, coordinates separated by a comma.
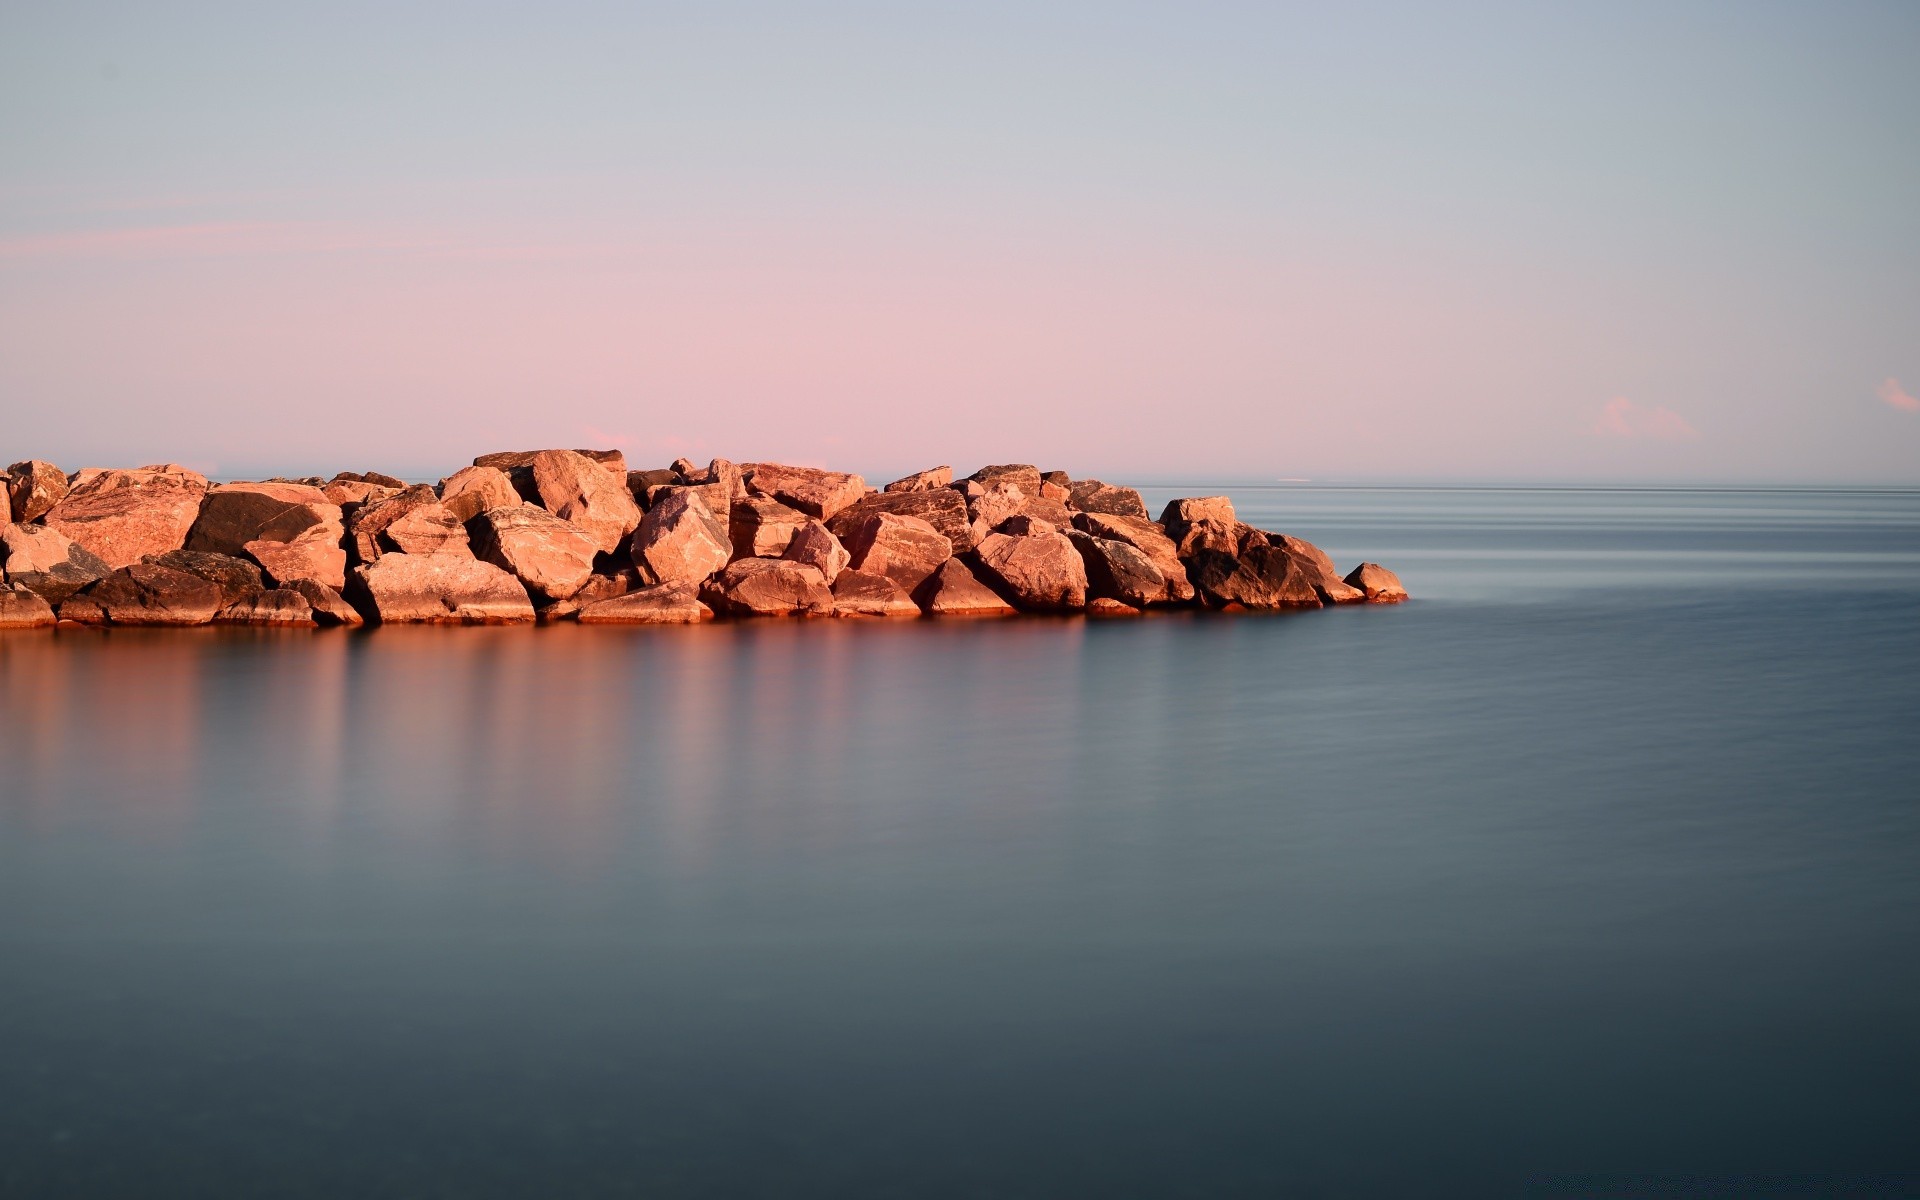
[(1599, 860)]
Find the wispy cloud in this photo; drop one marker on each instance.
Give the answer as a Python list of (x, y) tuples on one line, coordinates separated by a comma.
[(1896, 397), (1622, 418)]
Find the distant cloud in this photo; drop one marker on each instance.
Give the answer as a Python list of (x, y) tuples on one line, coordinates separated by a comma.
[(1896, 396), (1622, 418)]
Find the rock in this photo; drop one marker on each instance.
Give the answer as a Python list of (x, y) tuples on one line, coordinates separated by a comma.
[(1218, 536), (373, 477), (923, 481), (719, 471), (858, 594), (147, 594), (1107, 606), (370, 521), (1040, 570), (600, 585), (544, 552), (817, 493), (1092, 496), (1024, 476), (1319, 568), (955, 591), (904, 549), (815, 546), (402, 587), (1377, 584), (315, 554), (350, 494), (430, 529), (33, 488), (761, 527), (614, 462), (639, 483), (471, 491), (236, 578), (662, 604), (47, 562), (328, 606), (280, 606), (1262, 577), (297, 529), (123, 516), (993, 504), (769, 587), (1119, 571), (943, 508), (1196, 508), (1150, 540), (680, 540), (22, 609), (586, 495)]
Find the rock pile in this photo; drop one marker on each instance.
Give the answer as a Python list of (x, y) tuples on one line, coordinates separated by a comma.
[(575, 535)]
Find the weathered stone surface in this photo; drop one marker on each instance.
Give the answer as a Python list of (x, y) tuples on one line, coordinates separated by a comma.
[(943, 508), (402, 587), (389, 482), (1024, 476), (315, 554), (720, 471), (471, 491), (1092, 496), (601, 585), (814, 545), (680, 540), (1107, 606), (351, 494), (923, 481), (33, 488), (993, 504), (662, 604), (1041, 570), (328, 606), (236, 578), (295, 527), (1120, 571), (123, 516), (370, 521), (815, 492), (586, 495), (544, 552), (955, 591), (761, 527), (279, 606), (640, 483), (614, 462), (904, 549), (1318, 565), (430, 529), (22, 609), (769, 587), (1377, 584), (1196, 508), (1262, 577), (47, 562), (858, 594), (148, 594), (1217, 536), (1148, 538)]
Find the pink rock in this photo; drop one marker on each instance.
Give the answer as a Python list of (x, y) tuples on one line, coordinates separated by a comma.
[(236, 578), (1092, 496), (1189, 509), (315, 554), (858, 594), (1261, 577), (34, 487), (328, 606), (662, 604), (547, 554), (680, 540), (471, 491), (280, 606), (586, 495), (1041, 571), (430, 529), (906, 550), (368, 523), (923, 481), (1024, 476), (123, 516), (22, 609), (1319, 568), (614, 462), (1119, 571), (47, 562), (147, 594), (813, 545), (295, 527), (351, 494), (761, 527), (955, 591), (769, 587), (1107, 606), (817, 493), (402, 588), (1150, 540), (1379, 585), (943, 508)]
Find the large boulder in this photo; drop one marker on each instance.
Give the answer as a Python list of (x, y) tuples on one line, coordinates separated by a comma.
[(123, 516), (146, 594), (368, 524), (47, 562), (769, 587), (815, 492), (943, 508), (640, 483), (402, 587), (586, 495), (236, 578), (1092, 496), (295, 528), (662, 604), (601, 585), (1148, 538), (761, 527), (471, 491), (279, 606), (906, 550), (1024, 476), (720, 471), (1189, 509), (1377, 584), (992, 504), (547, 554), (680, 540), (22, 609), (328, 606), (315, 554), (814, 545), (923, 481), (1036, 565), (34, 487), (1319, 568), (858, 594), (351, 494), (1119, 571), (955, 591), (614, 462), (430, 529), (1261, 577)]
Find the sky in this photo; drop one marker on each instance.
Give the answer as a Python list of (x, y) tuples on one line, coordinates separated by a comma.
[(1561, 243)]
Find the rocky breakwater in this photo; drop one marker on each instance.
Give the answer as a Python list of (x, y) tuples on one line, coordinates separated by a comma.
[(575, 535)]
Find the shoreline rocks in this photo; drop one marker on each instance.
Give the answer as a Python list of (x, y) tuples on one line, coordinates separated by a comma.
[(555, 535)]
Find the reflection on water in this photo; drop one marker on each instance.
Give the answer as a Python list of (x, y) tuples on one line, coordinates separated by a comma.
[(1422, 900)]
